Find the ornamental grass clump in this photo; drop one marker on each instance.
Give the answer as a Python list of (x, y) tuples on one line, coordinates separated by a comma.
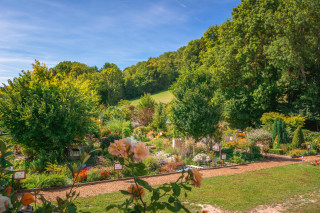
[(131, 157)]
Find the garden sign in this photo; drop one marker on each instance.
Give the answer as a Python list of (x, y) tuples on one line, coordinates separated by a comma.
[(117, 167), (19, 175), (223, 158)]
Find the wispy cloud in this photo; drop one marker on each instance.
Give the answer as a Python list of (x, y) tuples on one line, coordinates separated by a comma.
[(181, 4), (94, 32)]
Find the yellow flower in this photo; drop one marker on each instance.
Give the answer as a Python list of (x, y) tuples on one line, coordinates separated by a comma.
[(140, 152), (27, 199), (118, 148), (136, 192), (196, 178)]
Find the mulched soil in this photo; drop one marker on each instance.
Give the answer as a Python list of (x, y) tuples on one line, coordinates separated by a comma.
[(107, 187)]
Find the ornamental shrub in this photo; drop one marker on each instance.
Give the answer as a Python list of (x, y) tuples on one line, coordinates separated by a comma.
[(279, 129), (238, 160), (276, 151), (259, 135), (151, 163), (160, 118), (45, 180), (293, 122), (93, 175), (297, 138), (47, 112)]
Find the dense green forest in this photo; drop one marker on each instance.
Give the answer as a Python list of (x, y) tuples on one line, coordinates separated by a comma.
[(266, 58)]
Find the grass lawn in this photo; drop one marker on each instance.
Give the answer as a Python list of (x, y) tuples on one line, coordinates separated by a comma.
[(240, 192), (163, 97)]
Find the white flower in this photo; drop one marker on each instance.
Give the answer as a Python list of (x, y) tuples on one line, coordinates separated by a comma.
[(201, 157), (5, 203)]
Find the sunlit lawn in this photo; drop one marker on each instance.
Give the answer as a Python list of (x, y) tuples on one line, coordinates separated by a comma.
[(239, 192), (163, 97)]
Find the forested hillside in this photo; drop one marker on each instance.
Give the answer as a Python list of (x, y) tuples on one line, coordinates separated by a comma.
[(265, 58)]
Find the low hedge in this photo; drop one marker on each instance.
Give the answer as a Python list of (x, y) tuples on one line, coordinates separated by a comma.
[(276, 151)]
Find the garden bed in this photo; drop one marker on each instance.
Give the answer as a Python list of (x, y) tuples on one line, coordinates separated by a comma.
[(120, 179), (285, 156)]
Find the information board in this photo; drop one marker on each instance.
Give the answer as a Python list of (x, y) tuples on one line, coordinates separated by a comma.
[(117, 166), (18, 175)]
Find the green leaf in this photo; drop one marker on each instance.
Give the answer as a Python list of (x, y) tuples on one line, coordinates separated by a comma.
[(70, 167), (143, 183), (121, 161), (186, 187), (108, 155), (124, 192), (138, 208), (176, 189), (165, 188), (85, 157), (171, 199), (169, 207), (177, 205), (184, 208), (155, 195), (111, 207)]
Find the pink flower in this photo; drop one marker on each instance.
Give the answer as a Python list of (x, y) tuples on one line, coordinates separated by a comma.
[(120, 148), (140, 151)]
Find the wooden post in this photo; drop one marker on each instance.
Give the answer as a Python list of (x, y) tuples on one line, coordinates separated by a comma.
[(223, 158)]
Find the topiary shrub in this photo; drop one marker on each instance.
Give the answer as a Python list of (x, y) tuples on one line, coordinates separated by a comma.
[(279, 129), (298, 138)]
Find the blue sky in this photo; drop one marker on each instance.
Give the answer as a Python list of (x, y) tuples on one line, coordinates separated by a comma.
[(93, 32)]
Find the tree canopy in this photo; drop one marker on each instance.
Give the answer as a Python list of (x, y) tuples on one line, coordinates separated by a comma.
[(44, 111)]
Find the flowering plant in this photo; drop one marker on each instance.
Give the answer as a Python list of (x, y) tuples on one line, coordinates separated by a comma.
[(163, 157), (132, 157), (104, 175), (201, 157), (82, 176), (9, 201)]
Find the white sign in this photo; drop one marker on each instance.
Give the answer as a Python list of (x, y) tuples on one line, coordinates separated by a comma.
[(75, 153), (117, 166), (18, 175), (309, 146), (224, 156)]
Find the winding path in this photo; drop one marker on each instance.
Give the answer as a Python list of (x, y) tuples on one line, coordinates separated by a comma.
[(107, 187)]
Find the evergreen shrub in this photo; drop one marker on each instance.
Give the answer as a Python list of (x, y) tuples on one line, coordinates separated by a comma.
[(298, 138)]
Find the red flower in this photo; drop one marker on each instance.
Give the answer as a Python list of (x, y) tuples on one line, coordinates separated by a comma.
[(82, 176), (104, 175), (317, 162)]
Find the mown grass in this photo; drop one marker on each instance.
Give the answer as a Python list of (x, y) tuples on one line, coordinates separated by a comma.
[(240, 192), (163, 97)]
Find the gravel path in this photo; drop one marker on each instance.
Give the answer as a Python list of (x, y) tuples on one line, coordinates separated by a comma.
[(107, 187)]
